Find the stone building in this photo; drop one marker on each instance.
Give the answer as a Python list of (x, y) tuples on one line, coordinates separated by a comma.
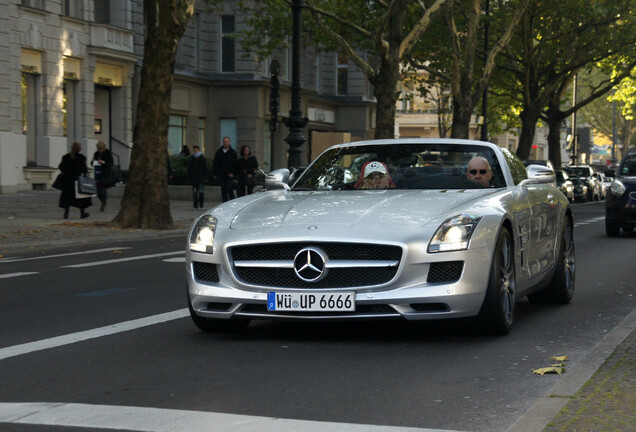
[(69, 72)]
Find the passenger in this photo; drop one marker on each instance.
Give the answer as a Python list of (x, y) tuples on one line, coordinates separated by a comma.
[(374, 175), (479, 171)]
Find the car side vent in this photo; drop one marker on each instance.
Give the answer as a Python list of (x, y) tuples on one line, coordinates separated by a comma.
[(447, 271), (205, 272)]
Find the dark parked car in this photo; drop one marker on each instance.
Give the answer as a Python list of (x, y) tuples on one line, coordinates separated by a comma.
[(620, 202), (565, 184), (586, 172)]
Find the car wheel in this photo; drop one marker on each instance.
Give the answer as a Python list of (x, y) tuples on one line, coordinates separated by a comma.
[(497, 311), (561, 287), (213, 325), (612, 230)]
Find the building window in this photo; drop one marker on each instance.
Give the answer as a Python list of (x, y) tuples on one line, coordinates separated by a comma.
[(72, 9), (343, 75), (102, 11), (227, 43), (201, 131), (35, 4), (176, 134)]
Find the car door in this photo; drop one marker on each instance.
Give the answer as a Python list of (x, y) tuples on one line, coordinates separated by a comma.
[(543, 228)]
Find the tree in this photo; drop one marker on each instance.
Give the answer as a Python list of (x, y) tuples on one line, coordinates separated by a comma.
[(375, 35), (453, 54), (555, 40), (145, 203)]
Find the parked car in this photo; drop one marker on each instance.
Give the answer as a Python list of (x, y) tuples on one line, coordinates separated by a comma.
[(543, 162), (564, 184), (580, 188), (586, 172), (429, 244), (599, 180), (607, 182), (620, 202)]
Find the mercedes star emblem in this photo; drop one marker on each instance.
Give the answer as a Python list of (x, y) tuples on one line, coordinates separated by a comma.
[(310, 264)]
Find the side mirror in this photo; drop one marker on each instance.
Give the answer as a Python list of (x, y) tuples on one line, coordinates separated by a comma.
[(541, 174), (610, 173), (277, 179)]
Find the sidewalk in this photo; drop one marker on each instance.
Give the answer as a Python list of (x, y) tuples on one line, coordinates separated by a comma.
[(33, 220), (596, 394)]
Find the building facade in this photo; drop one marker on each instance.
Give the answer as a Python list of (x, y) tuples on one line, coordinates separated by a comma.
[(70, 72)]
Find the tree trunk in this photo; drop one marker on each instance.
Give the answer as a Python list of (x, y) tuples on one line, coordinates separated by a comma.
[(145, 203), (386, 96), (462, 112), (529, 118), (555, 120)]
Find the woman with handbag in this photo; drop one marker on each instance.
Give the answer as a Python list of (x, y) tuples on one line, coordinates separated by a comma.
[(247, 166), (73, 165), (102, 165)]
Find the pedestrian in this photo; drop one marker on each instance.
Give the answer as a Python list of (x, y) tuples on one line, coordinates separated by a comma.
[(73, 165), (197, 173), (224, 169), (247, 166), (102, 163), (185, 151)]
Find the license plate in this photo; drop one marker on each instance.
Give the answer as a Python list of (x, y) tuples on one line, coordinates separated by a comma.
[(311, 302)]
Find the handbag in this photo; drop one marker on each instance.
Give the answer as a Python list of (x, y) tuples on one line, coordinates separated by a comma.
[(110, 177), (59, 182), (86, 185)]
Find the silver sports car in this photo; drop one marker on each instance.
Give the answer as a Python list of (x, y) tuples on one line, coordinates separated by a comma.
[(407, 228)]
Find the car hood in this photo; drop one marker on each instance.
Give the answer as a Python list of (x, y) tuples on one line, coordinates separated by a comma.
[(387, 208)]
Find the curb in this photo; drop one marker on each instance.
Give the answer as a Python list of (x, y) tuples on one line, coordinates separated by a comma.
[(539, 415)]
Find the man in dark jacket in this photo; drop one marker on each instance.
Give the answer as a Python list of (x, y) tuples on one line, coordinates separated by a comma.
[(224, 169), (197, 174)]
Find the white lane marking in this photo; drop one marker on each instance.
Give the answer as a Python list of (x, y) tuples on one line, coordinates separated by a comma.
[(58, 341), (135, 258), (175, 260), (16, 259), (170, 420), (10, 275), (590, 221)]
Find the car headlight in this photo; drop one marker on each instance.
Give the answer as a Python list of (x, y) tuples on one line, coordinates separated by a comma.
[(202, 237), (617, 188), (454, 234)]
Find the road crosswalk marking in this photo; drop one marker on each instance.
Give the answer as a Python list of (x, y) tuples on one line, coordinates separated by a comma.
[(134, 258), (169, 420), (11, 275)]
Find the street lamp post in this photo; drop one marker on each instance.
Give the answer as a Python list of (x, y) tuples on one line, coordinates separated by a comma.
[(484, 99), (613, 159), (295, 122)]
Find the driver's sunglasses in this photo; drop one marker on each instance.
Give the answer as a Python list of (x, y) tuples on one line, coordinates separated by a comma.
[(481, 171)]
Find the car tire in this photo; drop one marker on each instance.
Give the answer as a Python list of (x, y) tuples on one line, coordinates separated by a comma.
[(212, 325), (497, 311), (561, 287), (612, 230)]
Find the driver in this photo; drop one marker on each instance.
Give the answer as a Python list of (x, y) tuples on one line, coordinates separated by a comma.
[(374, 175), (479, 171)]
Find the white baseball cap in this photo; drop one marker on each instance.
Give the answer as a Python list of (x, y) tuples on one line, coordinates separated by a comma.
[(373, 167)]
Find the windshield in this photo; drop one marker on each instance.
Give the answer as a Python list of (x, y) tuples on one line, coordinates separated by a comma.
[(581, 172), (629, 166), (403, 166)]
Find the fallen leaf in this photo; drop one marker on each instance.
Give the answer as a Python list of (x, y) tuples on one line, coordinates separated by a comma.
[(117, 252), (560, 358), (558, 365), (552, 370)]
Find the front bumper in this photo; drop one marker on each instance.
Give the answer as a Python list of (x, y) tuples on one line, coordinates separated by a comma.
[(621, 210), (408, 295)]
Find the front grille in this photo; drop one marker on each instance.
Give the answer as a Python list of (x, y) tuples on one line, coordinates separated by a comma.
[(366, 274), (448, 271), (205, 272), (336, 278), (335, 251)]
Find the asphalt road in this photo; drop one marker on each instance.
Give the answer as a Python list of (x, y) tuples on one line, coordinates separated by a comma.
[(107, 327)]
